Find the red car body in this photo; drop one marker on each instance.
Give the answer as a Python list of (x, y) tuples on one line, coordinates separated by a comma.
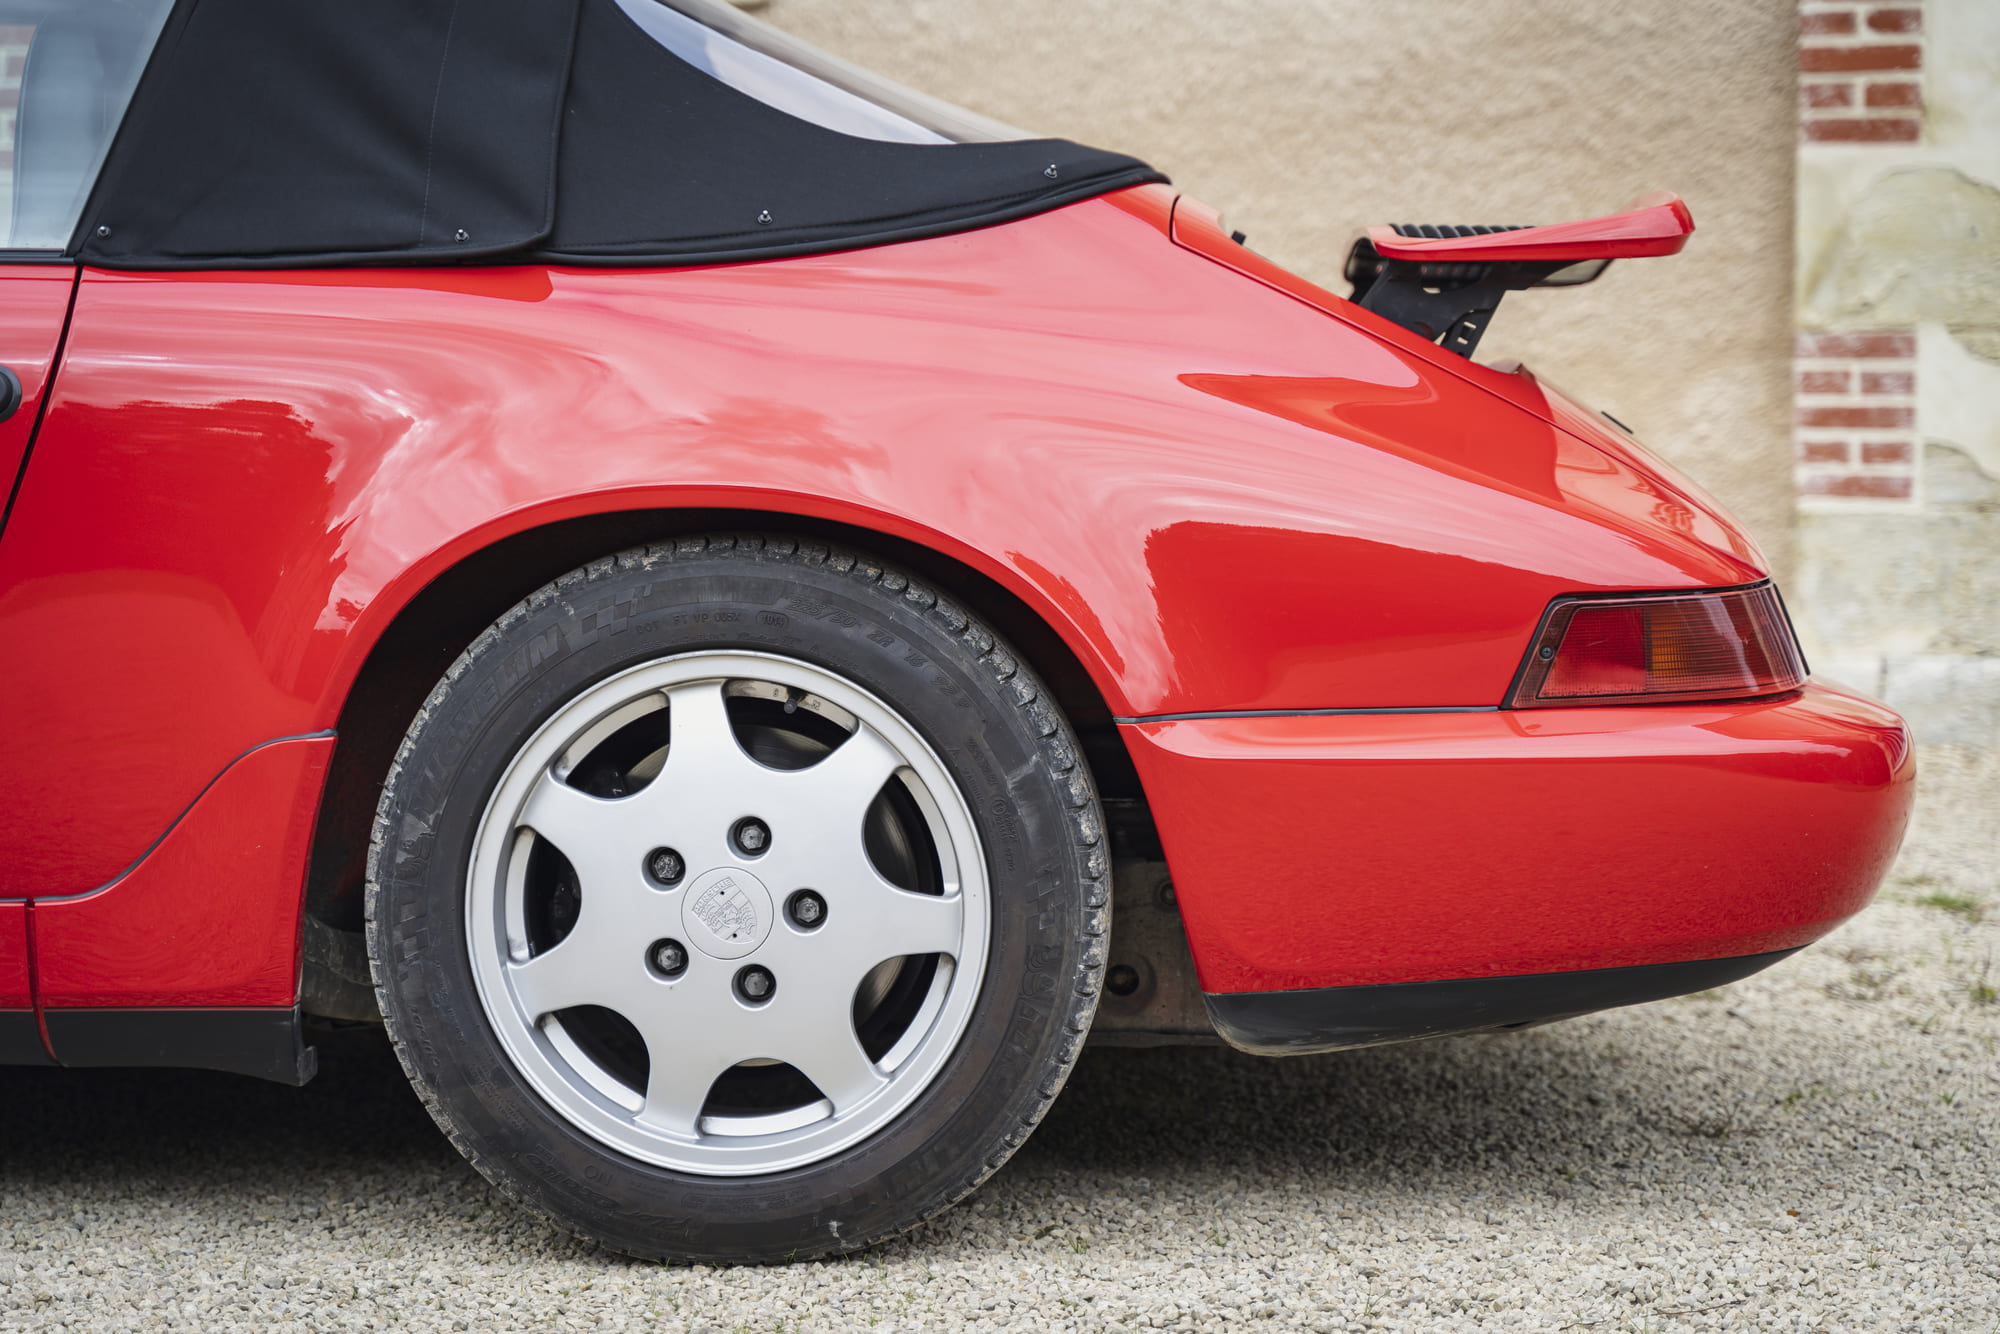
[(1294, 553)]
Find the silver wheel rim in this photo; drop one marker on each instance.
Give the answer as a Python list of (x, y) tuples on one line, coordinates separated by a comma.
[(717, 1094)]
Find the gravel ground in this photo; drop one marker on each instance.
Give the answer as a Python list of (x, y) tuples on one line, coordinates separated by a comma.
[(1816, 1148)]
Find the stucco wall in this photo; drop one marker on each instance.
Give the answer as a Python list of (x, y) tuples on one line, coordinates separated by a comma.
[(1306, 120)]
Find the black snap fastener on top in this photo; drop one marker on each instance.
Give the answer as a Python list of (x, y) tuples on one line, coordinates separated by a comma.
[(462, 235), (104, 231), (806, 909), (764, 218), (1050, 171), (755, 984), (665, 867), (668, 958), (751, 836)]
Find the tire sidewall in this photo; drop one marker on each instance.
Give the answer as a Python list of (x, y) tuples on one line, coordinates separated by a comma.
[(894, 640)]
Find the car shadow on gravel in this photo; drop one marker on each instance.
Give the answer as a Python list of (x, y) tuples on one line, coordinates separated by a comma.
[(204, 1127), (1543, 1103), (1187, 1116)]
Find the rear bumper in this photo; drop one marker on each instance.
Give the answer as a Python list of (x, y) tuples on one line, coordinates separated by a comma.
[(1368, 849)]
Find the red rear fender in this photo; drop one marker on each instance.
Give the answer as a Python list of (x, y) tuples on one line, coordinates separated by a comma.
[(1218, 497)]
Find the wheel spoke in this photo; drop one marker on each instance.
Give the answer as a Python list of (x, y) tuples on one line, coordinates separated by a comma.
[(917, 924), (572, 973), (700, 744), (584, 828), (678, 1085), (821, 1043), (844, 784)]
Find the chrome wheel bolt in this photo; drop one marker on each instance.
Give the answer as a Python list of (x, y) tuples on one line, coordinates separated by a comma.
[(755, 984), (669, 958), (751, 836), (665, 866), (806, 909)]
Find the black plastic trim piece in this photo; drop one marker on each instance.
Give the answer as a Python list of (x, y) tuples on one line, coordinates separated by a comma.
[(21, 1039), (1298, 713), (1294, 1023), (263, 1043)]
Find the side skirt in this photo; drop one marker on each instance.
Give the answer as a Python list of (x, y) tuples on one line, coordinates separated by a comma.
[(1293, 1023), (263, 1043)]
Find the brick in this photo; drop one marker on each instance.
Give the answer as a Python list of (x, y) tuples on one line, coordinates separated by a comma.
[(1886, 451), (1824, 382), (1827, 94), (1888, 382), (1845, 345), (1824, 451), (1826, 23), (1896, 20), (1897, 94), (1866, 488), (1859, 59), (1887, 419), (1897, 130)]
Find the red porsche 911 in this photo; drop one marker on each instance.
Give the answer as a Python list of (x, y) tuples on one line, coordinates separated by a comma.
[(746, 614)]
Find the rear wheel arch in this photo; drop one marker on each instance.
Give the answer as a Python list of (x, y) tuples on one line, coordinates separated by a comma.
[(429, 632)]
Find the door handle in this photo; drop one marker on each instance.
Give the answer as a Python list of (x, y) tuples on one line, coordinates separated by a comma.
[(10, 393)]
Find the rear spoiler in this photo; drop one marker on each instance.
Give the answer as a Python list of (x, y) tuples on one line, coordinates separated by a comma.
[(1445, 282)]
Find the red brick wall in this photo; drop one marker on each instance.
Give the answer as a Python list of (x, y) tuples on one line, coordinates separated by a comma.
[(1860, 70), (1857, 414)]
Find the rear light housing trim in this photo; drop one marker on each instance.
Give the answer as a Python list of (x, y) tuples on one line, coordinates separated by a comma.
[(1672, 647)]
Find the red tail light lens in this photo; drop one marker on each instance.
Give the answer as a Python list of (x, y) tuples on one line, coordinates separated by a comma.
[(1660, 648)]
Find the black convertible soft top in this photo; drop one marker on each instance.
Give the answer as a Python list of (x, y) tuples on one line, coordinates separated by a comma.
[(299, 133)]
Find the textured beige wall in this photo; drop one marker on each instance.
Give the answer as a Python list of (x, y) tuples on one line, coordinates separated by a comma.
[(1901, 596), (1306, 120)]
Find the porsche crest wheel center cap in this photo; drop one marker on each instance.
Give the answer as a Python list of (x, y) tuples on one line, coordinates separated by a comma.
[(727, 913)]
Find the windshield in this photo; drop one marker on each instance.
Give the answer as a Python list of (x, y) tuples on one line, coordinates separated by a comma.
[(799, 80), (67, 69)]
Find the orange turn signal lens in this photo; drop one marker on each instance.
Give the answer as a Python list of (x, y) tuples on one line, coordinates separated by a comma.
[(1661, 648)]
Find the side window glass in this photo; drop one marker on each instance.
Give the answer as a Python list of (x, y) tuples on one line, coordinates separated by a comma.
[(67, 71), (802, 81)]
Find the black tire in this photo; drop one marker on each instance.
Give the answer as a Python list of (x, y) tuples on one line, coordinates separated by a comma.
[(977, 705)]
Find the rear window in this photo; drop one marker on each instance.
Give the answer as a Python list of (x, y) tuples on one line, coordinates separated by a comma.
[(67, 70)]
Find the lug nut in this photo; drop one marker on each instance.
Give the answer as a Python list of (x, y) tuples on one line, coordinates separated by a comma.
[(755, 984), (806, 909), (665, 866), (668, 957), (751, 836)]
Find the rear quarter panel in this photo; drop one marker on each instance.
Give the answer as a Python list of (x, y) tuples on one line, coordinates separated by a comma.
[(1220, 497)]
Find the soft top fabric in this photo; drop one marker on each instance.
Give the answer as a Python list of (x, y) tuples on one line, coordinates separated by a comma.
[(307, 133)]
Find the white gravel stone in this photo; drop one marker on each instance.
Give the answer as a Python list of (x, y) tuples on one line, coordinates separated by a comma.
[(1812, 1149)]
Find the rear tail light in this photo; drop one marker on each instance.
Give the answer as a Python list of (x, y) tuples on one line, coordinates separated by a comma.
[(1661, 648)]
